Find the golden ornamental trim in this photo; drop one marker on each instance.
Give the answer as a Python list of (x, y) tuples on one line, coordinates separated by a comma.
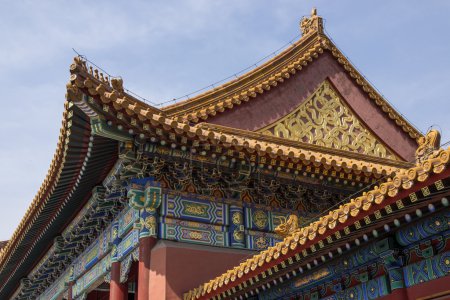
[(312, 24), (428, 144), (288, 226), (324, 119)]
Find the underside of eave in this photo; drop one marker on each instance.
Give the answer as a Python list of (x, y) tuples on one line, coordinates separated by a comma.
[(51, 209), (39, 199)]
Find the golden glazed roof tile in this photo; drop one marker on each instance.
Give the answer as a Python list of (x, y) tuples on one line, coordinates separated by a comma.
[(174, 118), (43, 193), (275, 147), (280, 68), (435, 164)]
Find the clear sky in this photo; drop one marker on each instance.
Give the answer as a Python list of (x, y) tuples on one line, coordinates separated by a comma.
[(165, 49)]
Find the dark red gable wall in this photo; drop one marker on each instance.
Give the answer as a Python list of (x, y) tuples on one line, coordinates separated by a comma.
[(281, 100)]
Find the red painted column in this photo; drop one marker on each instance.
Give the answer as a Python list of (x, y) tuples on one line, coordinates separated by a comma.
[(117, 290), (69, 291), (146, 245)]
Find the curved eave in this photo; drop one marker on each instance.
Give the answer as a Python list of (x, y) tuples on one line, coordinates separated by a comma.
[(138, 116), (412, 180), (80, 163), (273, 73)]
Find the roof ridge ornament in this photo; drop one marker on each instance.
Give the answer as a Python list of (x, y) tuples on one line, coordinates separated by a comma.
[(288, 226), (312, 24), (428, 145)]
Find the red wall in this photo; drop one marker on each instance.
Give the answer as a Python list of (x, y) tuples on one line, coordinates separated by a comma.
[(281, 100), (178, 267)]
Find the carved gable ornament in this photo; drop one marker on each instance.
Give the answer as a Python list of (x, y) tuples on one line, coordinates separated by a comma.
[(325, 120)]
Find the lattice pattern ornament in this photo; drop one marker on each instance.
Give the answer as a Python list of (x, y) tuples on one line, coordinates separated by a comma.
[(325, 120)]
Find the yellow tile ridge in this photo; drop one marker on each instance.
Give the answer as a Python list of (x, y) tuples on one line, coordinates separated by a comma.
[(434, 164), (274, 72), (275, 147)]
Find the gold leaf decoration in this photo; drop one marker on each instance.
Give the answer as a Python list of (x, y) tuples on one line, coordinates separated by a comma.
[(325, 120)]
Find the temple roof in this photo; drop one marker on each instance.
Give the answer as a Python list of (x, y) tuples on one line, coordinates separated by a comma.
[(80, 162), (3, 244), (82, 158), (274, 73), (145, 117), (430, 170)]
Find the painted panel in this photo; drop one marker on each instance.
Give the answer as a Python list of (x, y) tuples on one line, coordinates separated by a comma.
[(91, 276), (128, 243), (302, 289), (194, 232), (427, 269), (190, 208), (266, 219), (372, 289), (423, 229), (236, 228), (126, 220), (93, 253), (260, 240)]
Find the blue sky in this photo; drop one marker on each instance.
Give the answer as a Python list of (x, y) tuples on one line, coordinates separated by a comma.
[(165, 49)]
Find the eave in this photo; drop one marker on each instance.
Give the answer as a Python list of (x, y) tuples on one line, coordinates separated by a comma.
[(273, 73), (142, 119), (317, 234), (79, 163)]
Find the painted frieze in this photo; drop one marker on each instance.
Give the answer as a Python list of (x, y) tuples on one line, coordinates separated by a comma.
[(57, 288), (128, 243), (127, 219), (93, 253), (424, 229), (92, 276), (427, 269), (237, 227), (194, 232), (194, 209)]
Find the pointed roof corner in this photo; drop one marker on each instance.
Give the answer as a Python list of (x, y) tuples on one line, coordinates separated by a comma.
[(311, 24), (272, 73)]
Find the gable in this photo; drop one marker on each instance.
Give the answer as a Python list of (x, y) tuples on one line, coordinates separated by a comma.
[(286, 97), (325, 120)]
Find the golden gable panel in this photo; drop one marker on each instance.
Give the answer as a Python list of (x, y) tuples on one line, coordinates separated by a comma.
[(325, 120)]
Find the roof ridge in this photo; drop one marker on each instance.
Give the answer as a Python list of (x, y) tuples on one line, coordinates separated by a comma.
[(306, 146), (283, 66), (108, 94), (435, 163)]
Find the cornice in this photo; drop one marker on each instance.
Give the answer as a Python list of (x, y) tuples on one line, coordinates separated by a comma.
[(144, 117), (346, 214)]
